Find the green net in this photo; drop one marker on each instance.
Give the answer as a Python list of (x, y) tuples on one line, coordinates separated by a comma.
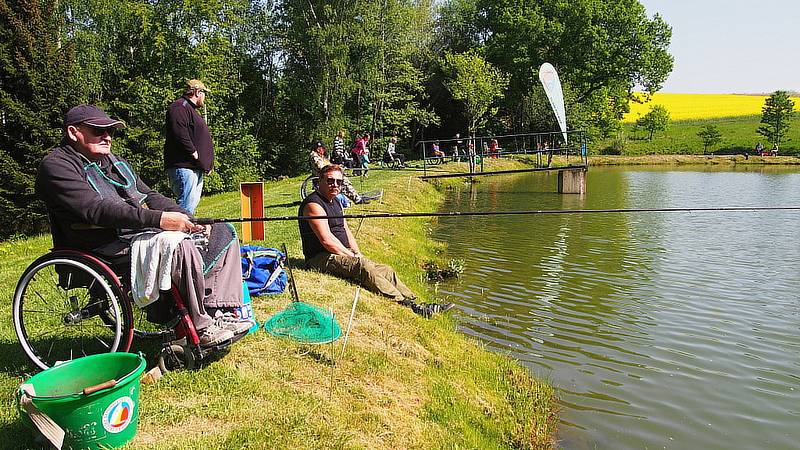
[(304, 323)]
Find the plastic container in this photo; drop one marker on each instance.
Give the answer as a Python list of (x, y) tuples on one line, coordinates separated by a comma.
[(107, 418), (246, 310)]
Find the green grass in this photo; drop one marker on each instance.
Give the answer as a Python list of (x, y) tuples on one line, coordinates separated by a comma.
[(738, 134), (404, 381)]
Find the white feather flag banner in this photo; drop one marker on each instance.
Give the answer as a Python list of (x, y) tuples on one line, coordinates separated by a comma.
[(552, 87)]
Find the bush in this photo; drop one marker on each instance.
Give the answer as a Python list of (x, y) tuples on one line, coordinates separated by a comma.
[(434, 272)]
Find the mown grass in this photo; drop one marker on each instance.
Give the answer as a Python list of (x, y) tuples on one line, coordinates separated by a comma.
[(738, 135), (403, 382), (701, 106)]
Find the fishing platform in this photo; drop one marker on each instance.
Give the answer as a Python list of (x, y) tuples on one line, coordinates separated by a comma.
[(570, 147)]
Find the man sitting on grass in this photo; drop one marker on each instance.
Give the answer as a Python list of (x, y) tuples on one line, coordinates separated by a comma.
[(330, 247)]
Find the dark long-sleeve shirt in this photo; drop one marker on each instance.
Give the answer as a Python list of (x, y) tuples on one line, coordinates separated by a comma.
[(62, 183), (187, 133)]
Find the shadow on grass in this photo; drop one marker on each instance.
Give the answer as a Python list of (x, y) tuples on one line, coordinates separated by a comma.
[(296, 263), (15, 435), (317, 355), (13, 361), (283, 205), (15, 365)]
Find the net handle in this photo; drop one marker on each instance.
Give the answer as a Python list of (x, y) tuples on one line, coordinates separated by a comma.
[(295, 297)]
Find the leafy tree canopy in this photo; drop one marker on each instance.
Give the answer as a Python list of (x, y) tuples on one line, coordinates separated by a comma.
[(778, 109), (710, 136), (656, 119), (602, 49), (473, 82)]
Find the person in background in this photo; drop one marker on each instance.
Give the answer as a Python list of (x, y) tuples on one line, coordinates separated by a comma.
[(391, 152), (97, 203), (494, 148), (317, 161), (340, 156), (457, 144), (330, 247), (188, 149), (361, 150), (437, 152)]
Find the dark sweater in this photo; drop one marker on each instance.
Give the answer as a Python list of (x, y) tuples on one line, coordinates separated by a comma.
[(62, 183), (311, 243), (187, 133)]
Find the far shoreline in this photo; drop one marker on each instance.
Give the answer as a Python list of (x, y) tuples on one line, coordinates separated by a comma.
[(614, 160)]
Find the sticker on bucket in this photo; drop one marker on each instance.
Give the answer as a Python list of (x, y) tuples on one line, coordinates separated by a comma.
[(118, 415)]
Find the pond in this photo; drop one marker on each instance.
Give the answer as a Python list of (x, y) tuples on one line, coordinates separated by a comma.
[(659, 330)]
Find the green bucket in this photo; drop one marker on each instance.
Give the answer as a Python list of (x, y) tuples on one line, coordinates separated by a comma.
[(106, 418)]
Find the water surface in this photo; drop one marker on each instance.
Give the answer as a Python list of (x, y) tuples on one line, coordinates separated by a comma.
[(660, 330)]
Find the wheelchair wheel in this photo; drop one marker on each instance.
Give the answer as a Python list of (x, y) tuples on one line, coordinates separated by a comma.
[(68, 305), (308, 186), (176, 357)]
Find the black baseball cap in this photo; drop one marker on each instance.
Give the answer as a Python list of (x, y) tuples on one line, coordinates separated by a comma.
[(317, 144), (91, 115)]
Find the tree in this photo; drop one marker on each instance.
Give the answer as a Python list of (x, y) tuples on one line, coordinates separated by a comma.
[(655, 120), (710, 136), (775, 115), (603, 49), (37, 84), (473, 82)]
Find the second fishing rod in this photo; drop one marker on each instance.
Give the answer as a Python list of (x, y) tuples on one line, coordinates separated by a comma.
[(727, 209)]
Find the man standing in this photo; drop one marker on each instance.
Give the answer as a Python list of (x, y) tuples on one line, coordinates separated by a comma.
[(330, 247), (188, 150), (96, 202)]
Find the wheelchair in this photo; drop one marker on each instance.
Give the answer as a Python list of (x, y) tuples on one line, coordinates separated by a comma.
[(391, 163), (308, 186), (70, 303)]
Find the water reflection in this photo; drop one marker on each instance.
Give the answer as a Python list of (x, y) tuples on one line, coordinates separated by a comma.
[(671, 330)]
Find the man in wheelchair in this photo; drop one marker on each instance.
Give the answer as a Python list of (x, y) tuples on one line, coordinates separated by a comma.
[(98, 204)]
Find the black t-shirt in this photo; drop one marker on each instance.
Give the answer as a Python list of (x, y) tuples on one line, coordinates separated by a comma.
[(311, 243)]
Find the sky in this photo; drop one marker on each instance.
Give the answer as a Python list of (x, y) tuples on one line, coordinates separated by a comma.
[(731, 46)]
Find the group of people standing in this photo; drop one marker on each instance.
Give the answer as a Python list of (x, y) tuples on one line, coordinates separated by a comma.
[(357, 157)]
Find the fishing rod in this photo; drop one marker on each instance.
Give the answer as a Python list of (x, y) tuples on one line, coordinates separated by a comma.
[(208, 221)]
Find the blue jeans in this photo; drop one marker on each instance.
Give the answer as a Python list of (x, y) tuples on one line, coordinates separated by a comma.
[(187, 185)]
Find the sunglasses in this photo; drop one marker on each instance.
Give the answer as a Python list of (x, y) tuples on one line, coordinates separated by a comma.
[(99, 131), (334, 181)]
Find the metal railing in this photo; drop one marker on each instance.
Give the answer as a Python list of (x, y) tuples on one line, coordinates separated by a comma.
[(476, 149)]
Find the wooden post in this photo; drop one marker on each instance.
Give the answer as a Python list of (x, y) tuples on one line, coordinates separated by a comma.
[(572, 181), (252, 199)]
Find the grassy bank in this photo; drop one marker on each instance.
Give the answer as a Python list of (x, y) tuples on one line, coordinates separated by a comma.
[(404, 382), (738, 134)]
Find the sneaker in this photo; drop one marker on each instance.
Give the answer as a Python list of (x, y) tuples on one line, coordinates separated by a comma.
[(428, 309), (228, 321), (213, 335)]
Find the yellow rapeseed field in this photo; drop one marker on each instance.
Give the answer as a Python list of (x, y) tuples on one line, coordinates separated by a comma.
[(701, 106)]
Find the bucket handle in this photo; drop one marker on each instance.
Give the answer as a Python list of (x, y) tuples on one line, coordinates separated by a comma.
[(104, 385)]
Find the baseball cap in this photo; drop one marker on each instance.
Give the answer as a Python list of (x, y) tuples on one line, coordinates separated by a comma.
[(91, 115), (317, 144), (192, 85)]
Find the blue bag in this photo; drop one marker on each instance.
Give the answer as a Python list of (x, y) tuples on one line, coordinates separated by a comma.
[(262, 270)]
